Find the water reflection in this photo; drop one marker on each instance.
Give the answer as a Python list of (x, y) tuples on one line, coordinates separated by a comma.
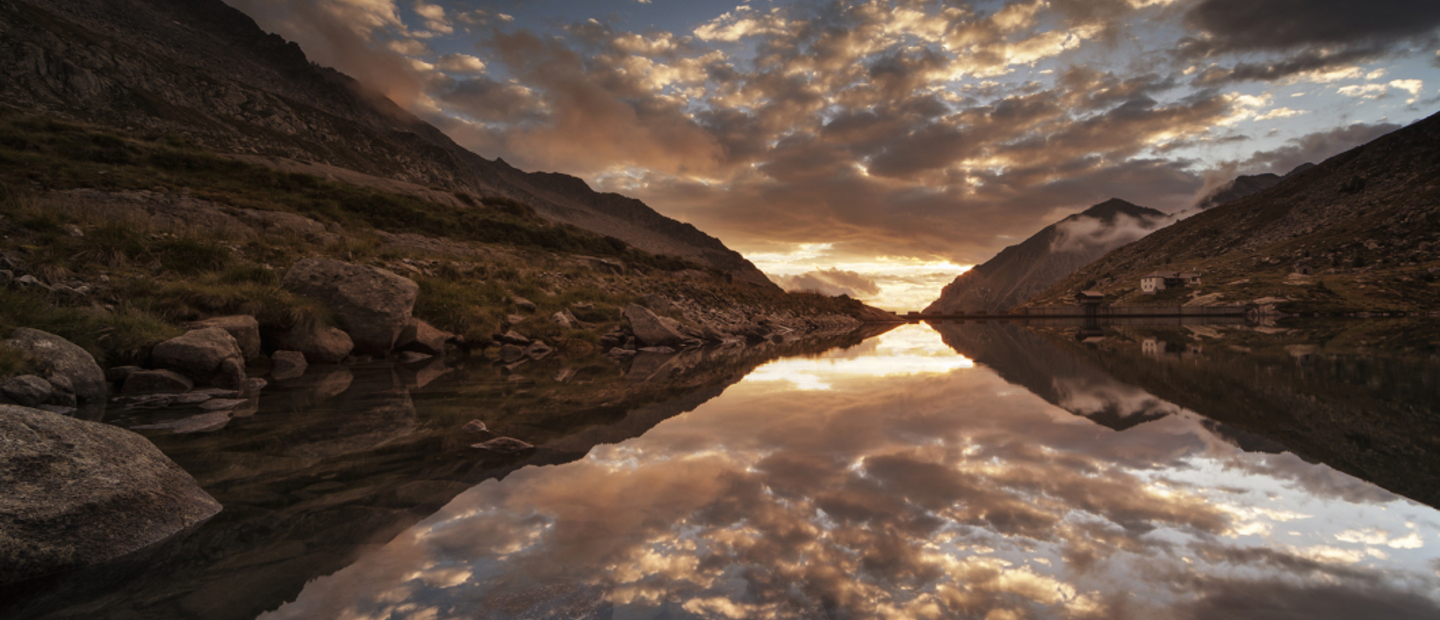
[(900, 480)]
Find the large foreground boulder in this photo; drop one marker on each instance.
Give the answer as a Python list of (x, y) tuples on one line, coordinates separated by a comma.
[(649, 329), (79, 492), (67, 363), (209, 356), (371, 304)]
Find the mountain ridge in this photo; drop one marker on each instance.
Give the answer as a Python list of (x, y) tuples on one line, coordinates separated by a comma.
[(206, 71), (1358, 232), (1022, 270)]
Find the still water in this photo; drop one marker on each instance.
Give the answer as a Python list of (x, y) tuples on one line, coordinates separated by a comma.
[(958, 472)]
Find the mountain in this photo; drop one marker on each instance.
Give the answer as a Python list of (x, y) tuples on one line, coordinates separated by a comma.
[(1243, 186), (1021, 271), (1360, 231), (205, 73)]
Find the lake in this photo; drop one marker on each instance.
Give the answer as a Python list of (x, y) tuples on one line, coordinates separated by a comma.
[(955, 470)]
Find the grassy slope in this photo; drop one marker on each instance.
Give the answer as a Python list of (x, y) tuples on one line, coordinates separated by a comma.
[(150, 278)]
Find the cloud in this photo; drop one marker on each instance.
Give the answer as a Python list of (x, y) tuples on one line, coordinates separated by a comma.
[(1084, 233), (830, 282), (1251, 25), (1313, 148), (460, 63)]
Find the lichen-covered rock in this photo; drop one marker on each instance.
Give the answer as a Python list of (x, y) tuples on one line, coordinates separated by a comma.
[(208, 356), (371, 304), (64, 359), (243, 327), (78, 493), (649, 329)]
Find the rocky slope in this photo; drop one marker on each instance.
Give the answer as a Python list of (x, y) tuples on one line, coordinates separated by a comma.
[(1364, 224), (1243, 186), (1021, 271), (203, 73)]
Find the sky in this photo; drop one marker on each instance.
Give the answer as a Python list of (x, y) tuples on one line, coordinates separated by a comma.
[(879, 148)]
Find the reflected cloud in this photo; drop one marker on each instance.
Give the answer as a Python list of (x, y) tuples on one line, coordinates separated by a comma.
[(902, 490)]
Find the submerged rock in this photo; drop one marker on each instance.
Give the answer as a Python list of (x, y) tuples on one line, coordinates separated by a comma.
[(78, 493), (287, 365), (156, 382)]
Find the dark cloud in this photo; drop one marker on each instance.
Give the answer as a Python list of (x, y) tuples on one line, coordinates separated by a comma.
[(1231, 600), (485, 99), (1248, 25), (1314, 148), (830, 282)]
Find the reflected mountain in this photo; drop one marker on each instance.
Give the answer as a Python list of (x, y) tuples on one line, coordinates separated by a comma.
[(339, 461)]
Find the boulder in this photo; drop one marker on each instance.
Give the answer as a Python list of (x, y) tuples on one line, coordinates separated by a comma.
[(421, 337), (287, 365), (243, 327), (207, 356), (514, 337), (156, 382), (319, 345), (537, 350), (649, 329), (79, 493), (505, 446), (64, 359), (27, 390), (118, 374), (510, 353), (371, 304), (523, 304), (562, 319)]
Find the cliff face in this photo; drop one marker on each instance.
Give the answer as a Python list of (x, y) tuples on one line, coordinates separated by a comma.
[(1358, 232), (1021, 271), (205, 73)]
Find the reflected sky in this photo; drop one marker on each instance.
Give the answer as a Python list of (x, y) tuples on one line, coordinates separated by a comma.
[(897, 479)]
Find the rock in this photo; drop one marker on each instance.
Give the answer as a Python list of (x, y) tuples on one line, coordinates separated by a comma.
[(78, 493), (287, 365), (510, 353), (319, 345), (537, 350), (156, 382), (253, 385), (619, 352), (421, 337), (371, 304), (222, 404), (208, 356), (412, 357), (514, 337), (58, 410), (244, 328), (657, 303), (523, 304), (583, 307), (475, 427), (659, 350), (601, 265), (28, 281), (202, 423), (562, 319), (506, 446), (64, 359), (231, 375), (118, 374), (74, 231), (648, 328), (27, 390), (515, 319)]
